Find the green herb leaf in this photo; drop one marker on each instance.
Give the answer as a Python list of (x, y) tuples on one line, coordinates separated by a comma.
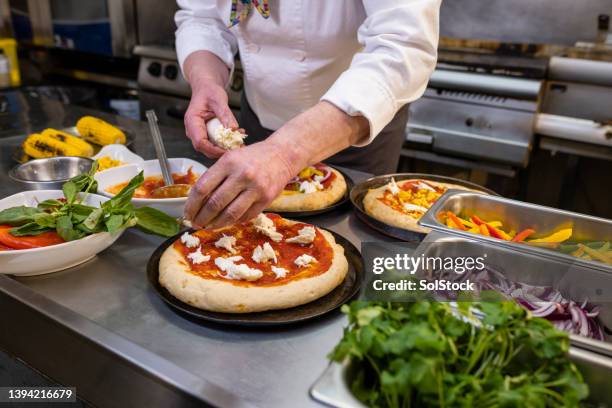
[(44, 219), (153, 221), (70, 190), (66, 230), (16, 216), (29, 229), (124, 197), (114, 223), (93, 219), (51, 203)]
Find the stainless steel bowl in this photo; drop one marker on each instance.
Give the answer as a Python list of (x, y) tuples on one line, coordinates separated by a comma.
[(50, 173)]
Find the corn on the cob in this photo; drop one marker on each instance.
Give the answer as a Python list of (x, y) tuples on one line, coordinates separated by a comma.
[(99, 132), (85, 148), (39, 146)]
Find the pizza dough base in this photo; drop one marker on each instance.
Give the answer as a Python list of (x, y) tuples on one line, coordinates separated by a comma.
[(382, 212), (311, 201), (224, 296)]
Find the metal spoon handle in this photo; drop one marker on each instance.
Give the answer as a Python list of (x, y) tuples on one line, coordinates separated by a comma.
[(158, 143)]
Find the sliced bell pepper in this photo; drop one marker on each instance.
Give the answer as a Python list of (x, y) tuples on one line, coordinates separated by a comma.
[(524, 234), (28, 242), (497, 233), (477, 220), (554, 238), (484, 230), (456, 221)]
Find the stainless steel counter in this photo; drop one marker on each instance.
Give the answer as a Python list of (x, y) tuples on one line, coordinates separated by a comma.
[(101, 328)]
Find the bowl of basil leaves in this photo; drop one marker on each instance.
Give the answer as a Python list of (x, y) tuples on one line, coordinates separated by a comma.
[(46, 231)]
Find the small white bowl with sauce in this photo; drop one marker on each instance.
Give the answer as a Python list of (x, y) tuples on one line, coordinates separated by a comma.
[(112, 180)]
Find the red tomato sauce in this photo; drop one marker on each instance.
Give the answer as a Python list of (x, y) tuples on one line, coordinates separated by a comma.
[(153, 182), (246, 241)]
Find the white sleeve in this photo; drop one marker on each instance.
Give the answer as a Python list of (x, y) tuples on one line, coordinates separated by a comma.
[(400, 40), (200, 27)]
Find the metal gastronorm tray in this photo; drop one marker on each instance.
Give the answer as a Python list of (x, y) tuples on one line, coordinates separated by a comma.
[(518, 215), (576, 282)]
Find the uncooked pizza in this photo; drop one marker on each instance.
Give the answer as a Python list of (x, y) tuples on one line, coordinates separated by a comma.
[(267, 263), (402, 204), (314, 188)]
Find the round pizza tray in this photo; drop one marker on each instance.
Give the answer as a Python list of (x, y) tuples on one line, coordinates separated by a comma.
[(337, 205), (360, 190), (20, 157), (348, 289)]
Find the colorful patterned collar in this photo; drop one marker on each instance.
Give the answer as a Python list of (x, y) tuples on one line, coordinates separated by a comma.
[(247, 5)]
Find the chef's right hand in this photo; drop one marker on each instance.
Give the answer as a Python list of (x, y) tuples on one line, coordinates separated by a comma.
[(208, 100)]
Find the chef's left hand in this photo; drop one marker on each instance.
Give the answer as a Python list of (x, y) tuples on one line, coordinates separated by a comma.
[(240, 185)]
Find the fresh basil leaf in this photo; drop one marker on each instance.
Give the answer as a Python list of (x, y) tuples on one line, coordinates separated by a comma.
[(70, 190), (153, 221), (44, 219), (16, 216), (80, 212), (47, 204), (66, 230), (114, 223), (29, 229), (124, 197), (93, 219)]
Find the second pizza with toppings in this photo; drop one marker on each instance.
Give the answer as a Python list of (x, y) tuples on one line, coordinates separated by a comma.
[(314, 188), (403, 203), (266, 263)]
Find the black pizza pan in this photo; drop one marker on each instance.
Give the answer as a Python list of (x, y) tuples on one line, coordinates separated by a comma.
[(20, 157), (346, 291), (359, 191), (335, 206)]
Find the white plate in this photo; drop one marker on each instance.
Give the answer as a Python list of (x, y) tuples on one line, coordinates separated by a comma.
[(119, 152), (38, 261), (171, 206)]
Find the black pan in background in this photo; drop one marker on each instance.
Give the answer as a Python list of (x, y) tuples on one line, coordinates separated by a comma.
[(338, 204), (20, 157), (333, 300), (359, 191)]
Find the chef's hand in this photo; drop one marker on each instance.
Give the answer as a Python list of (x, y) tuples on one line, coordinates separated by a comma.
[(207, 75), (239, 185), (245, 181)]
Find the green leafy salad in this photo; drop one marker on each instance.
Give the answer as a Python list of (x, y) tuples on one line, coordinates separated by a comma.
[(431, 354), (71, 219)]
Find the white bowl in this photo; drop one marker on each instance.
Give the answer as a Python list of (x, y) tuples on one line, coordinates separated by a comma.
[(38, 261), (171, 206), (119, 152)]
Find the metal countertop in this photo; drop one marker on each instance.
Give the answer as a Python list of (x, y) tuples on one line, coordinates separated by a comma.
[(108, 304)]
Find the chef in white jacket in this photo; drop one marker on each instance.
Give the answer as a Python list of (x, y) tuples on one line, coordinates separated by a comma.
[(324, 80)]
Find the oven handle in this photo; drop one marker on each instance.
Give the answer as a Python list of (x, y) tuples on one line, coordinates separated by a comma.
[(176, 112)]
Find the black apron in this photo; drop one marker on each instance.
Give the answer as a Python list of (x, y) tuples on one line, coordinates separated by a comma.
[(379, 157)]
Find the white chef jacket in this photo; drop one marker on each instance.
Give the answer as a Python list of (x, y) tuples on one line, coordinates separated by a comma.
[(367, 57)]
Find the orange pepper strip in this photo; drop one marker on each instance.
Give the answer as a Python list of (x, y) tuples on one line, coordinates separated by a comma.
[(484, 230), (524, 234), (456, 221)]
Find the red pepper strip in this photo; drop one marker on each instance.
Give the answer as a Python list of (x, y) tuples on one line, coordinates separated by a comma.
[(524, 234), (477, 220), (456, 221), (494, 232)]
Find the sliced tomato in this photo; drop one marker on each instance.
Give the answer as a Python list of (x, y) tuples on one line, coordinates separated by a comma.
[(4, 248), (27, 242)]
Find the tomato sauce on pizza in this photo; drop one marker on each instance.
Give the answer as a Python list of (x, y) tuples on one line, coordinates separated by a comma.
[(247, 239)]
